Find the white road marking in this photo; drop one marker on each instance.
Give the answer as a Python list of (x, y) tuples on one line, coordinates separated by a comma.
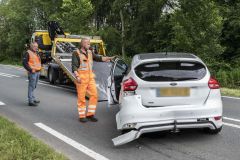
[(1, 103), (231, 119), (53, 86), (231, 97), (8, 75), (60, 86), (68, 89), (5, 75), (232, 125), (11, 66), (71, 142)]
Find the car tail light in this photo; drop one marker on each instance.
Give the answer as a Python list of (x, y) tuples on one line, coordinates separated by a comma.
[(218, 118), (213, 83), (130, 85)]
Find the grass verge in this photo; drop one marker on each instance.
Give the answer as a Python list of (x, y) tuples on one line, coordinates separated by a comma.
[(17, 144), (230, 92), (11, 62)]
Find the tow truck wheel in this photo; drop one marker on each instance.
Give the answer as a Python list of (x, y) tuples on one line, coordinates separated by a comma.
[(52, 76), (61, 76)]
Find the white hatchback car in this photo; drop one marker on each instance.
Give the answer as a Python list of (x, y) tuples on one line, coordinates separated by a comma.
[(164, 91)]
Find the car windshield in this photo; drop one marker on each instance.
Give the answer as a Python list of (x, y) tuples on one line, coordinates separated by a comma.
[(170, 71)]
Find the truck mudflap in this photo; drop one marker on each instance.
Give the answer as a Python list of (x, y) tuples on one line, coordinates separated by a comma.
[(125, 138)]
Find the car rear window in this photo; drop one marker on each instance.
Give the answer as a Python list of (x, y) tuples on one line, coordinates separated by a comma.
[(170, 71)]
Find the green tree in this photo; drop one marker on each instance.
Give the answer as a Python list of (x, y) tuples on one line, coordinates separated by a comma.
[(75, 16), (150, 29), (231, 31), (142, 25), (197, 26), (19, 19), (16, 26)]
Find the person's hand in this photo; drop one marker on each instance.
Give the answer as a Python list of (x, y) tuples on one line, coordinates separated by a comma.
[(112, 58), (108, 59), (78, 80), (33, 70)]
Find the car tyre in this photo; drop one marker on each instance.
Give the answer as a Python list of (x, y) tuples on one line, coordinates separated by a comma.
[(212, 131), (125, 131)]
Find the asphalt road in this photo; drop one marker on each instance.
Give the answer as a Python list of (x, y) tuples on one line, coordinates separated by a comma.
[(55, 122)]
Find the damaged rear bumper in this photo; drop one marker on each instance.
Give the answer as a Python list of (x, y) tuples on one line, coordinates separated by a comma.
[(171, 125)]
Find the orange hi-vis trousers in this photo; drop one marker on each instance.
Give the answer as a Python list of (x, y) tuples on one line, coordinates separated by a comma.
[(87, 85)]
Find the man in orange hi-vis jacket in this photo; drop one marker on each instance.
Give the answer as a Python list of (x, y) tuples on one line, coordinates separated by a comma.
[(32, 63), (82, 63)]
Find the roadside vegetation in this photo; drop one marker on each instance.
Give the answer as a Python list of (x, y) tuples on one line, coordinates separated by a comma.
[(230, 92), (11, 62), (16, 144), (207, 28)]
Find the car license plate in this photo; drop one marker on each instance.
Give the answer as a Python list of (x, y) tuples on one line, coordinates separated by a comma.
[(175, 92)]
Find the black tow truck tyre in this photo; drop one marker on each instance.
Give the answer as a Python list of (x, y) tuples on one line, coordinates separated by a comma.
[(52, 75), (61, 76)]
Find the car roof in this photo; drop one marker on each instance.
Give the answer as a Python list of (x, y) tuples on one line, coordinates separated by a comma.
[(143, 57)]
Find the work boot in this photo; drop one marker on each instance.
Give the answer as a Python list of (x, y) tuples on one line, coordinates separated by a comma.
[(92, 118), (36, 101), (83, 120), (32, 104)]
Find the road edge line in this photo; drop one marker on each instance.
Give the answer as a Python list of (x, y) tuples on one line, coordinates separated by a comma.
[(71, 142), (231, 97), (231, 125), (231, 119)]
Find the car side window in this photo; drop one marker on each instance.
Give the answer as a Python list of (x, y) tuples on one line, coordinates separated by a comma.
[(120, 69)]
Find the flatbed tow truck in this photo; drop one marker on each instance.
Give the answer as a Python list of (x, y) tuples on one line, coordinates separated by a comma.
[(56, 54)]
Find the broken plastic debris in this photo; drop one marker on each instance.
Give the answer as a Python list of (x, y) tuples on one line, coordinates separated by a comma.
[(125, 138)]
